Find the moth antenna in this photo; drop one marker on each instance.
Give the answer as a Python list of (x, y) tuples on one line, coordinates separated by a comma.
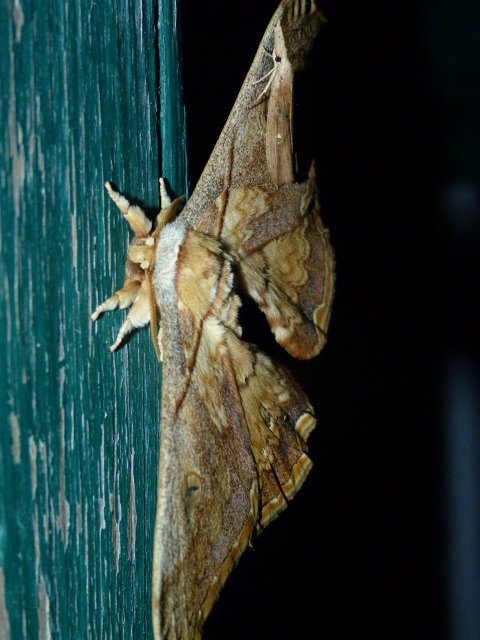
[(269, 73), (270, 55)]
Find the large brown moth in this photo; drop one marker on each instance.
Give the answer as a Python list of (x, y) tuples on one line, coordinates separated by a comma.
[(234, 424)]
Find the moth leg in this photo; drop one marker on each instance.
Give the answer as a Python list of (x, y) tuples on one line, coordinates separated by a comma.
[(138, 316), (137, 289), (133, 293), (120, 299)]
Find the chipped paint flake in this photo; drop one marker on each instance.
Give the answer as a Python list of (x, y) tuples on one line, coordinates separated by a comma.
[(17, 149), (15, 434), (63, 521), (43, 612), (78, 524), (32, 453), (132, 511), (4, 617), (18, 19)]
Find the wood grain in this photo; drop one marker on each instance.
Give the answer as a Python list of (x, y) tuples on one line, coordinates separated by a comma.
[(76, 444)]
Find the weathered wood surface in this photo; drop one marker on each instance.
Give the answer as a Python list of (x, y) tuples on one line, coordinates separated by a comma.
[(80, 104)]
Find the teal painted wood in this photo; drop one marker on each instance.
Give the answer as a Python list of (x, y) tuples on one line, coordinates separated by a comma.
[(173, 119), (79, 437)]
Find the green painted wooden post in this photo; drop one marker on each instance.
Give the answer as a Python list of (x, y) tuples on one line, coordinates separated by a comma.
[(80, 104)]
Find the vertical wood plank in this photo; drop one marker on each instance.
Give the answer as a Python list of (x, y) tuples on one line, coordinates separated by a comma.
[(173, 117), (79, 438)]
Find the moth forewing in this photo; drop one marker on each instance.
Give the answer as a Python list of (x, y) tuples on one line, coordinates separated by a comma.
[(244, 131), (232, 420)]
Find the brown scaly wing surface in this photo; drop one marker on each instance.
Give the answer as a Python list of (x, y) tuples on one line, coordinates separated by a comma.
[(247, 195), (249, 131), (284, 258), (233, 436)]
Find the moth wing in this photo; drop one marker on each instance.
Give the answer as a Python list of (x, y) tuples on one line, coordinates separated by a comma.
[(260, 114), (247, 195), (291, 272), (233, 436), (283, 256)]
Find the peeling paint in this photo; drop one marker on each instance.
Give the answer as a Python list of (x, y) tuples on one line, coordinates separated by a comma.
[(116, 544), (78, 524), (63, 521), (101, 513), (43, 612), (42, 450), (32, 453), (4, 618), (38, 143), (102, 481), (36, 542), (17, 149), (74, 238), (15, 433), (61, 345), (18, 19), (132, 512)]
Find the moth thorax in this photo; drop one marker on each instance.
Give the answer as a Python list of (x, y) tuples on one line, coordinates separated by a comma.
[(168, 244)]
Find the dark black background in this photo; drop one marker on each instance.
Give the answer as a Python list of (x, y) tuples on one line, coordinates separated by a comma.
[(363, 547)]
